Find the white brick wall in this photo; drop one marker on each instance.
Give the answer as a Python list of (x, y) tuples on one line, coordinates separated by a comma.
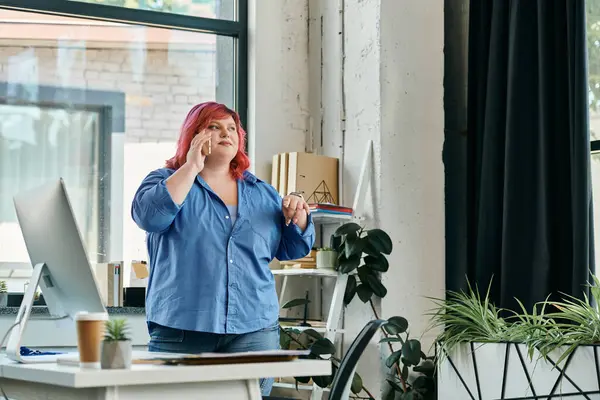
[(160, 85)]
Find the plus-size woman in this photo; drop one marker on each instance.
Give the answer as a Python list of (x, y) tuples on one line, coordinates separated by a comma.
[(212, 230)]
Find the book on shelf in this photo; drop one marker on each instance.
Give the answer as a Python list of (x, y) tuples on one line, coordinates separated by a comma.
[(308, 262), (332, 209)]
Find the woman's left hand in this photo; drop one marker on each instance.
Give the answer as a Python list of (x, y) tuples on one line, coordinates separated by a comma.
[(295, 209)]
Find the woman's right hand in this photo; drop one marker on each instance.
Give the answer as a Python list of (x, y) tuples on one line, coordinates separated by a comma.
[(195, 155)]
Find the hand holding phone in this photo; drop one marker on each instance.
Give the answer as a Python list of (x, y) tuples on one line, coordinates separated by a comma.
[(199, 149)]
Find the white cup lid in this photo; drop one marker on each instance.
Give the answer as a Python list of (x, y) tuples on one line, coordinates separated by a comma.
[(88, 316)]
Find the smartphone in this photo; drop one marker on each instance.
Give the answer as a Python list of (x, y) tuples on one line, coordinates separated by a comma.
[(207, 147)]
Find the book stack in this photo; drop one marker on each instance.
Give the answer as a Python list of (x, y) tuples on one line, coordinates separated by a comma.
[(329, 209), (308, 262)]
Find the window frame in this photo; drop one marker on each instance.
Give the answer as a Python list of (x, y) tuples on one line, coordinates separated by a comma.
[(222, 27)]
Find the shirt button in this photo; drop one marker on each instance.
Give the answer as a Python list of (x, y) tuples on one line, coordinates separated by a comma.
[(231, 261), (227, 217)]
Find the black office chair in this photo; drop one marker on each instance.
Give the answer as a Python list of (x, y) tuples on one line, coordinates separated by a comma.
[(348, 363)]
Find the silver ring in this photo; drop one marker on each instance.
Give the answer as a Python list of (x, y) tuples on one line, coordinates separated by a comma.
[(297, 194)]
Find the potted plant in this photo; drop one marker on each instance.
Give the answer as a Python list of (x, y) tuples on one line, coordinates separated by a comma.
[(116, 346), (551, 350), (3, 294), (361, 253), (326, 258)]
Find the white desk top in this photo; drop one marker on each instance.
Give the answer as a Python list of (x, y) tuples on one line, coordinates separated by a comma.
[(142, 374)]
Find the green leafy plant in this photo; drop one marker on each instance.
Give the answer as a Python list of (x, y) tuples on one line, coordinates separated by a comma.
[(116, 330), (3, 288), (411, 372), (363, 251)]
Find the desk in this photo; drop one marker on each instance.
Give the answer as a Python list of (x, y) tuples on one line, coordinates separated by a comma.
[(148, 382)]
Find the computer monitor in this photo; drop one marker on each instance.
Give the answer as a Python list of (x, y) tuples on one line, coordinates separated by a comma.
[(58, 255)]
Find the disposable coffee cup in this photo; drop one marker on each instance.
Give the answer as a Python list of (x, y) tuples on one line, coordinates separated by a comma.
[(90, 331)]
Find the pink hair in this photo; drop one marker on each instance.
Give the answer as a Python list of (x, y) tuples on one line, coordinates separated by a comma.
[(198, 119)]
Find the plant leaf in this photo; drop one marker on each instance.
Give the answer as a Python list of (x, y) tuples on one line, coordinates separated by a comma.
[(322, 346), (391, 339), (347, 265), (411, 351), (350, 289), (312, 334), (393, 358), (302, 379), (394, 385), (335, 242), (404, 372), (357, 384), (389, 394), (323, 381), (380, 240), (350, 227), (427, 367), (396, 325), (364, 292), (377, 262), (369, 278), (353, 246), (295, 303), (284, 341)]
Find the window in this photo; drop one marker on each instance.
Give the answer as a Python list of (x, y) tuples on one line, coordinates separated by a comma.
[(593, 40), (223, 9), (100, 104)]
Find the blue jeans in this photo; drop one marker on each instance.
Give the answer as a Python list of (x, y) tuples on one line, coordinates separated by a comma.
[(170, 340)]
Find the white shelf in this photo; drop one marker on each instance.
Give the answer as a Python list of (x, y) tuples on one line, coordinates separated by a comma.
[(293, 386), (325, 219), (305, 272), (302, 328)]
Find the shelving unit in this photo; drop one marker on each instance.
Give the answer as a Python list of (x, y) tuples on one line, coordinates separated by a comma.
[(332, 329)]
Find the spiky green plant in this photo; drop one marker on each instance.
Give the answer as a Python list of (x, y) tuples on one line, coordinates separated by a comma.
[(3, 288), (116, 330), (466, 317), (581, 318)]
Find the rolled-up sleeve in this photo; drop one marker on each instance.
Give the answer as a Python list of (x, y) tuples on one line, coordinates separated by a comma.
[(295, 243), (153, 208)]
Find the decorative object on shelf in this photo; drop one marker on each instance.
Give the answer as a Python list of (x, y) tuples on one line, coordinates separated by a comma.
[(326, 258), (554, 344), (308, 262), (3, 294), (116, 346)]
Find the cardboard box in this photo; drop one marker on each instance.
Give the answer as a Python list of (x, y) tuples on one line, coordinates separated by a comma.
[(315, 176), (110, 282), (139, 274)]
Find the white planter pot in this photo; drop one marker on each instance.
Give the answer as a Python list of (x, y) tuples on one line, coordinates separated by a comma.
[(505, 371), (326, 259), (116, 355), (3, 299)]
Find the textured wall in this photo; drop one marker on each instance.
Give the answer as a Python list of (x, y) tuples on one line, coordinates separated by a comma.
[(160, 85)]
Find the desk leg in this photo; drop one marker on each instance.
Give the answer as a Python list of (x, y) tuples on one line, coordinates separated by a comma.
[(253, 389)]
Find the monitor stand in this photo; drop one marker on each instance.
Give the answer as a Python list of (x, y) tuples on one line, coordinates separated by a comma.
[(40, 275)]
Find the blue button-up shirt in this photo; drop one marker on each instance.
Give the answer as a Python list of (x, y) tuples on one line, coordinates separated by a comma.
[(206, 273)]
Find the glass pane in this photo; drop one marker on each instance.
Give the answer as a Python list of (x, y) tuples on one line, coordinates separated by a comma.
[(221, 9), (593, 40), (596, 197), (99, 104)]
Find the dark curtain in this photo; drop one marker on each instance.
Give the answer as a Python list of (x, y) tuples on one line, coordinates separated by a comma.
[(529, 202)]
